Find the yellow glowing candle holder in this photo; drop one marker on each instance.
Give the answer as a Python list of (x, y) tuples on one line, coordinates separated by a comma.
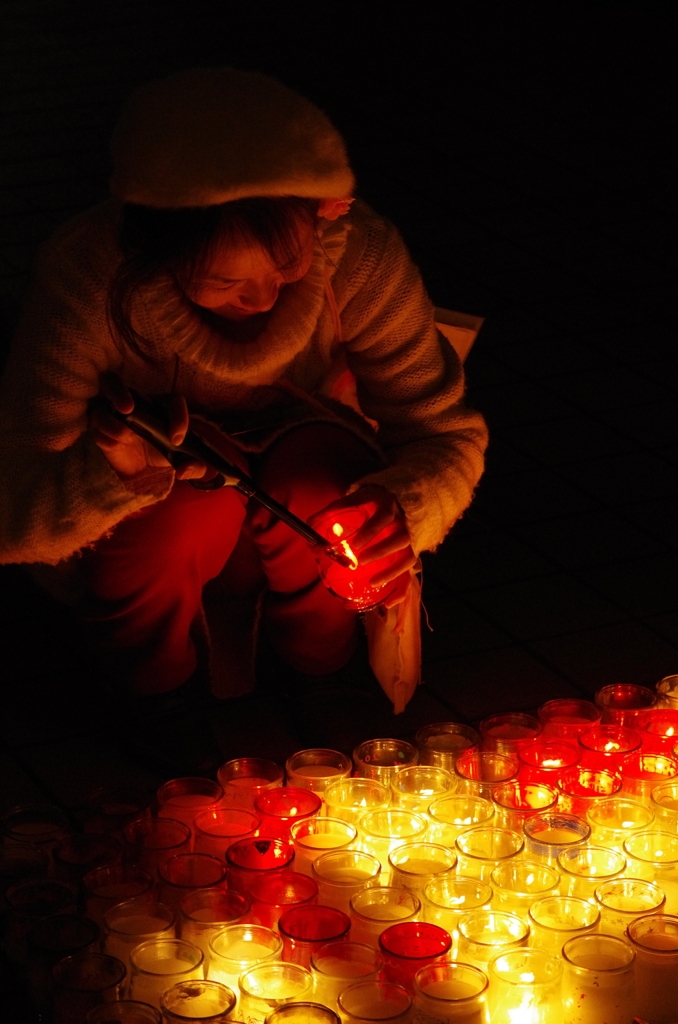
[(340, 874), (515, 801), (555, 919), (613, 820), (480, 850), (415, 788), (525, 987), (451, 815), (598, 981), (485, 933), (197, 1002), (518, 883), (158, 964), (383, 831), (414, 865), (336, 965), (238, 946), (375, 908), (317, 768), (351, 798), (621, 900), (585, 867), (664, 805), (450, 992), (382, 759), (653, 855), (449, 898), (267, 986), (654, 940), (312, 837)]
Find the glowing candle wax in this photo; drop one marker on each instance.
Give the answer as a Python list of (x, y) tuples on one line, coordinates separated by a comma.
[(314, 836), (340, 874), (450, 992), (654, 940), (317, 768), (336, 965), (525, 987), (266, 986), (374, 909), (598, 980), (415, 864), (161, 963)]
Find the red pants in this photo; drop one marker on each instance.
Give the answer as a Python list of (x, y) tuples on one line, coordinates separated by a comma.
[(145, 581)]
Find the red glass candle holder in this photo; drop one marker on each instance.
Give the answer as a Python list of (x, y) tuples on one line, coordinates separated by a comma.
[(606, 746), (641, 773), (544, 760), (280, 808), (248, 858), (275, 893), (517, 800), (244, 778), (218, 828), (659, 730), (580, 787), (304, 929), (339, 564), (566, 718), (623, 703), (408, 947), (505, 734)]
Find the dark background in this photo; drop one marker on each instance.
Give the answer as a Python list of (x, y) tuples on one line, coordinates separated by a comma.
[(525, 157)]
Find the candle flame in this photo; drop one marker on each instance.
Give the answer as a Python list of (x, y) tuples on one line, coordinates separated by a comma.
[(610, 745), (338, 530), (552, 762)]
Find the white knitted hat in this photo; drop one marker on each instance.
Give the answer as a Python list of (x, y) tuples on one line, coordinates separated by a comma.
[(208, 136)]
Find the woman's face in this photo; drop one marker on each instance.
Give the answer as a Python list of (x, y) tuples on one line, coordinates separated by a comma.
[(241, 279)]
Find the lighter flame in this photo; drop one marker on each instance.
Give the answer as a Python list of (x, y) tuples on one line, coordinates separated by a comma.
[(338, 530)]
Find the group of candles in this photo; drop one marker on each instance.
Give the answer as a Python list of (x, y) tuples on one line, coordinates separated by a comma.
[(526, 873)]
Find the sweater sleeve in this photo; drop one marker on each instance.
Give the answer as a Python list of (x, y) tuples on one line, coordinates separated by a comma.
[(58, 492), (409, 379)]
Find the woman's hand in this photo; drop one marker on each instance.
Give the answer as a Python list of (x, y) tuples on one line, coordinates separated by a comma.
[(127, 453), (386, 512)]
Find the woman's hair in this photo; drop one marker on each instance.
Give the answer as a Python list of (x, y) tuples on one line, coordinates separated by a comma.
[(182, 241)]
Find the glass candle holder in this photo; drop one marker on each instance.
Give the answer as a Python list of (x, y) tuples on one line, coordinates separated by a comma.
[(244, 778), (280, 808), (415, 788), (314, 836), (623, 703), (336, 965), (667, 692), (247, 858), (303, 1013), (202, 1002), (109, 808), (317, 768), (28, 902), (451, 992), (606, 746), (664, 806), (158, 964), (612, 821), (274, 893), (555, 919), (370, 1001), (382, 759), (506, 733), (517, 884), (642, 772), (485, 933), (598, 980), (182, 799), (481, 850), (410, 946), (654, 940), (525, 985), (268, 986), (204, 912), (305, 928), (20, 862), (548, 835), (621, 900), (567, 717), (449, 816), (348, 579), (238, 946), (653, 856), (74, 856), (580, 787), (480, 771), (39, 824), (215, 829), (107, 886), (515, 801), (132, 922), (186, 872), (414, 865), (441, 743), (543, 761), (124, 1011), (659, 730), (351, 798), (585, 867), (150, 842), (448, 898), (382, 832), (49, 941), (341, 874), (83, 982), (376, 908)]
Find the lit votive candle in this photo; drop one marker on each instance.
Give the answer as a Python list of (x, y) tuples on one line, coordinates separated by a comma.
[(623, 703), (566, 717), (160, 963), (485, 933), (450, 992), (248, 858), (555, 919), (413, 865), (376, 908), (202, 1002), (480, 771), (441, 743), (340, 874), (203, 912), (410, 946), (451, 815), (525, 986), (518, 883), (132, 922), (506, 733), (580, 787), (217, 829), (606, 746), (653, 855), (642, 772), (238, 946), (547, 835), (336, 965), (278, 891), (305, 928), (244, 778), (317, 768), (448, 898), (585, 867), (612, 821), (415, 788), (515, 801), (315, 836), (664, 804), (280, 808), (621, 900), (267, 986), (654, 940), (382, 759), (543, 761), (667, 692), (598, 982), (659, 730), (183, 798), (351, 798), (382, 832), (370, 1001), (480, 850)]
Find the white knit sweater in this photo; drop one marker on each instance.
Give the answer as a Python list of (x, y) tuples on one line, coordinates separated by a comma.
[(59, 494)]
